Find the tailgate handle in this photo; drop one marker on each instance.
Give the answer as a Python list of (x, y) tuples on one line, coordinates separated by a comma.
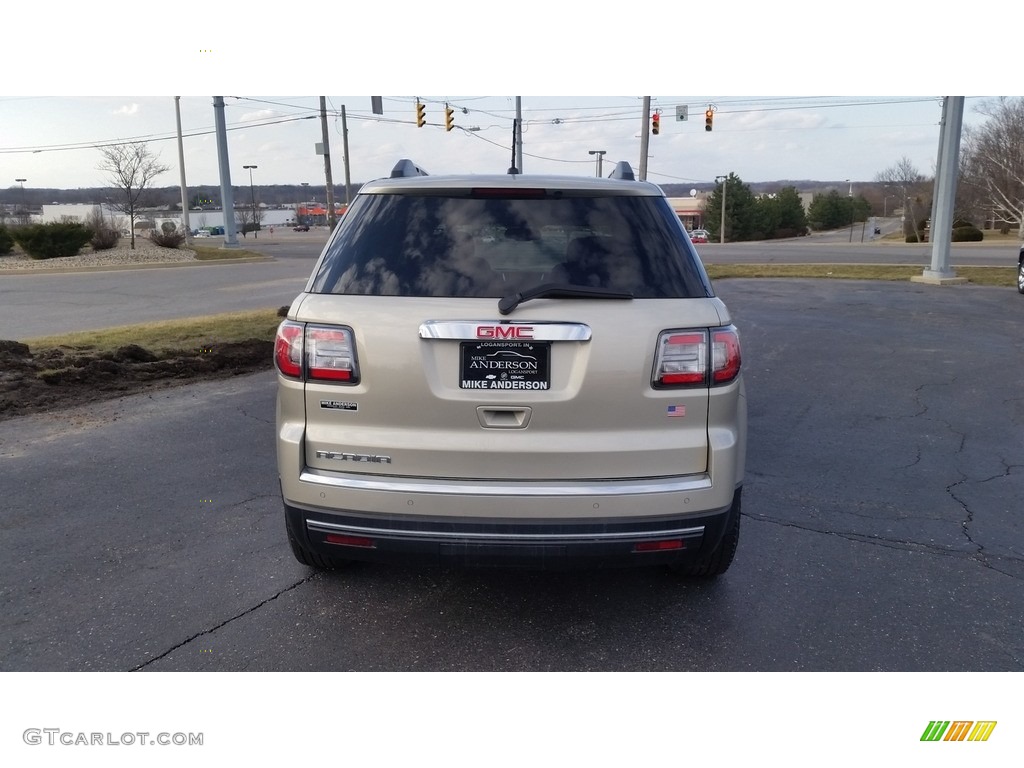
[(503, 418)]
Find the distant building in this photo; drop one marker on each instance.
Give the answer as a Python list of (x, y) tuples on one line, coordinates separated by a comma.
[(690, 210), (150, 218), (316, 213), (78, 212)]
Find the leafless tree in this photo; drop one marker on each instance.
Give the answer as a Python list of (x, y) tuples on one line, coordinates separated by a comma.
[(913, 187), (130, 168), (993, 159), (248, 219), (243, 220)]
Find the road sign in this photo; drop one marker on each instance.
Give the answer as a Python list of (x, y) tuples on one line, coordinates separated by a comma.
[(681, 112)]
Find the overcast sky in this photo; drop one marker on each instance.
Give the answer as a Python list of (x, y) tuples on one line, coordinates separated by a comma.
[(51, 141), (784, 54)]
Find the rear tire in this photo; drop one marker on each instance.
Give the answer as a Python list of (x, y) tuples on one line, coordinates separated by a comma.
[(310, 558), (717, 561), (1020, 277)]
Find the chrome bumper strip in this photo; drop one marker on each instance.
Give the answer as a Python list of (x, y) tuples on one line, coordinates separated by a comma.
[(456, 487), (560, 538)]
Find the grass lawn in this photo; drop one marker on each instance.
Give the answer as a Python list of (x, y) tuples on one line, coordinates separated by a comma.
[(191, 333)]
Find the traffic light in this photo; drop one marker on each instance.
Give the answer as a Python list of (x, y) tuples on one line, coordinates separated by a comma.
[(449, 118), (655, 123), (421, 115), (709, 118)]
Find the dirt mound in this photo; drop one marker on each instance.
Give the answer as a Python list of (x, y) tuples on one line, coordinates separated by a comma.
[(58, 378)]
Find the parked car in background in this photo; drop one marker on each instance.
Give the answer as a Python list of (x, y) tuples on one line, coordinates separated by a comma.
[(300, 228), (699, 236), (1020, 270), (510, 370)]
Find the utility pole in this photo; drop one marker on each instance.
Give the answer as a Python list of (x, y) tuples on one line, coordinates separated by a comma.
[(644, 137), (519, 133), (600, 155), (181, 166), (227, 195), (331, 220), (945, 194), (252, 191), (344, 141), (721, 231)]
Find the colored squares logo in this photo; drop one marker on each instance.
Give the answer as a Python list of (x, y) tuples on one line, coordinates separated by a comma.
[(958, 730)]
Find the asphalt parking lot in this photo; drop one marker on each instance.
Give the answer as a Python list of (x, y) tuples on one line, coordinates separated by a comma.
[(882, 523)]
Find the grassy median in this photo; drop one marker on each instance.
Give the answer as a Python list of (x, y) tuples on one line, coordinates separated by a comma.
[(207, 253), (1003, 277), (165, 335)]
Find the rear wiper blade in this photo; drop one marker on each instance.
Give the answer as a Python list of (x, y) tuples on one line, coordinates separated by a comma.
[(558, 291)]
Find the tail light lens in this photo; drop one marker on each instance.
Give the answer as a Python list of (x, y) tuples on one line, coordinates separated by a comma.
[(288, 349), (331, 354), (685, 358), (682, 359), (327, 351), (725, 351)]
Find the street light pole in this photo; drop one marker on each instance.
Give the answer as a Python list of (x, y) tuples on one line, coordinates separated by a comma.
[(24, 211), (600, 156), (252, 191), (849, 196), (305, 192), (721, 233)]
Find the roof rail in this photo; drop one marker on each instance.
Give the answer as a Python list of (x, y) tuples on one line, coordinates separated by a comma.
[(622, 171), (405, 168)]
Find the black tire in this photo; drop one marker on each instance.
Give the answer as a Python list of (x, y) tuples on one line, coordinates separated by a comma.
[(717, 561), (1020, 277), (311, 558)]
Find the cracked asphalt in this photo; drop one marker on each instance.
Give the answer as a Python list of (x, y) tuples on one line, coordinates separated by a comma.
[(882, 523)]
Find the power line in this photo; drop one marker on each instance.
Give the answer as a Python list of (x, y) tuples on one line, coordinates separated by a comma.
[(146, 137)]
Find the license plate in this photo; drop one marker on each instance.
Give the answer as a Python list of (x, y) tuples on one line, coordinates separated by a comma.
[(509, 365)]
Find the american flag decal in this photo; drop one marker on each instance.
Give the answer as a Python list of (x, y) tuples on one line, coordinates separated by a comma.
[(676, 410)]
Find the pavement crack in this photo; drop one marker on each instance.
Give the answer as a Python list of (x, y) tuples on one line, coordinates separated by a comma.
[(903, 545), (241, 409), (224, 623), (915, 462)]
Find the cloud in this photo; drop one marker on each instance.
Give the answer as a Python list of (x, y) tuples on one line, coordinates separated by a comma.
[(127, 109), (258, 115)]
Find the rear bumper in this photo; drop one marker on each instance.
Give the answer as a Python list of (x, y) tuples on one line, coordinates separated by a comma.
[(535, 543)]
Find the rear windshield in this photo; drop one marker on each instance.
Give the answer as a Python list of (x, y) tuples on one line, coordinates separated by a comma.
[(435, 245)]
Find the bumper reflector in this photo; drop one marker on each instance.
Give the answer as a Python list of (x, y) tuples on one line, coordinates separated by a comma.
[(350, 541), (659, 546)]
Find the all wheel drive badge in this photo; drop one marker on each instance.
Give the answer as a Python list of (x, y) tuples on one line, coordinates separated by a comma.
[(339, 405)]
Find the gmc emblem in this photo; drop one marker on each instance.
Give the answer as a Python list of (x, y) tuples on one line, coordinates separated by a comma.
[(504, 331)]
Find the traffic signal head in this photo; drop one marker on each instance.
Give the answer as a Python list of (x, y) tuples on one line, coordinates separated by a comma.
[(421, 115), (655, 123), (709, 118), (449, 118)]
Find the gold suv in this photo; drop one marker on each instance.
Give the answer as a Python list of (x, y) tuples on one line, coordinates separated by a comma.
[(507, 371)]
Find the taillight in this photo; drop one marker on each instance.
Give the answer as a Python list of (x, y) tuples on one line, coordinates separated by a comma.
[(328, 352), (725, 350), (331, 354), (288, 349), (684, 358)]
